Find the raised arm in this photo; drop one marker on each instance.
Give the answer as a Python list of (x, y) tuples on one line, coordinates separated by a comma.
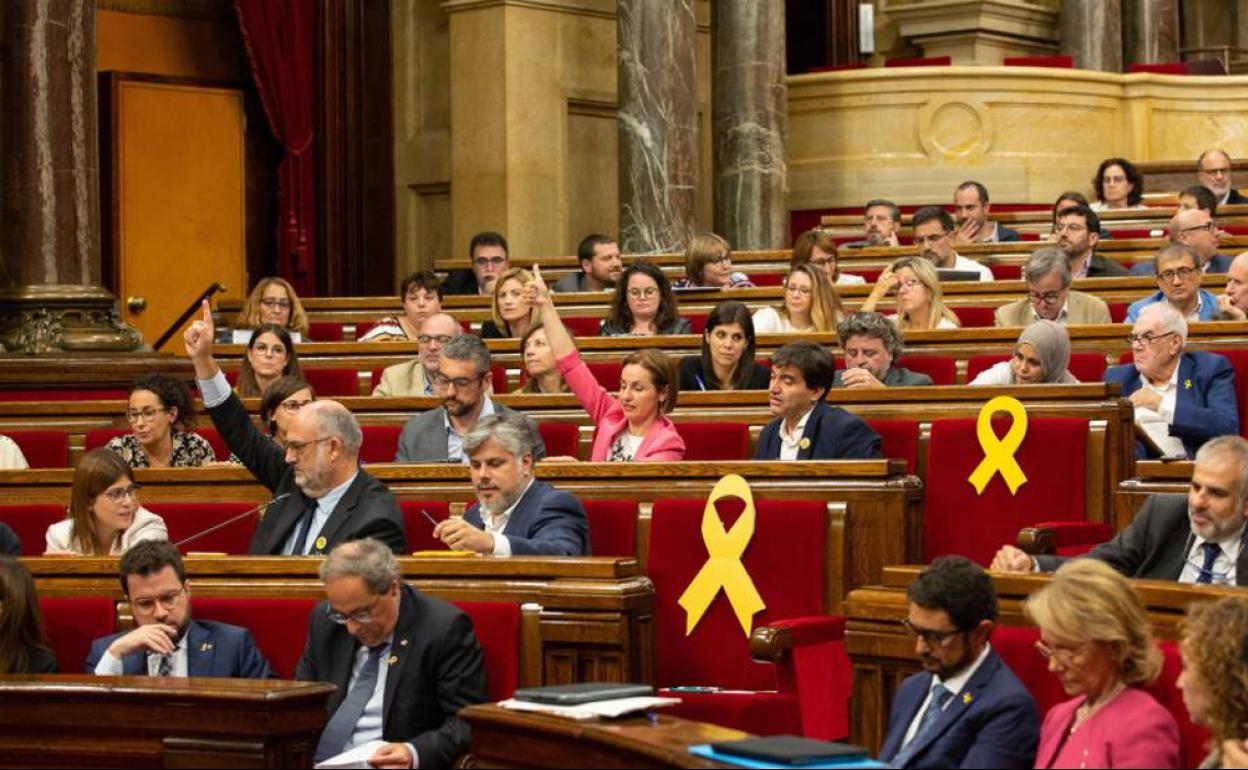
[(561, 343), (198, 338), (885, 284)]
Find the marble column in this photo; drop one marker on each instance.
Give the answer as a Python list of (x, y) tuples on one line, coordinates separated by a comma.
[(750, 124), (50, 212), (1150, 31), (1091, 32), (658, 124)]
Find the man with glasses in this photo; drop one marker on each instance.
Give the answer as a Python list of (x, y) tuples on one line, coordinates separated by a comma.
[(933, 236), (1049, 296), (404, 663), (1077, 231), (1179, 276), (488, 254), (414, 379), (967, 708), (462, 381), (1213, 170), (166, 641), (1196, 229), (327, 498), (1197, 538)]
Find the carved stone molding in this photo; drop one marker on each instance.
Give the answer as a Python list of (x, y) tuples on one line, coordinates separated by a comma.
[(977, 31), (62, 318)]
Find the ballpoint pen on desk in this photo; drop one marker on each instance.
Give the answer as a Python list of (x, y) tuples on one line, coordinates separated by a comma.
[(429, 518)]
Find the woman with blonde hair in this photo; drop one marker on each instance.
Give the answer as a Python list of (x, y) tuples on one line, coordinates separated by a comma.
[(811, 304), (104, 516), (1212, 681), (272, 301), (708, 265), (540, 367), (1098, 641), (920, 302), (513, 315)]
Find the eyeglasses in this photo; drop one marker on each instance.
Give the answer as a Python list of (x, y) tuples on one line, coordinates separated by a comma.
[(168, 601), (489, 261), (1182, 273), (442, 381), (273, 304), (801, 291), (291, 406), (1195, 228), (930, 638), (441, 339), (1146, 339), (1113, 179), (298, 447), (1048, 298), (1063, 655), (822, 261), (146, 415), (719, 260), (1224, 171), (926, 240), (275, 351), (909, 283), (360, 617), (646, 293), (118, 494), (1070, 228)]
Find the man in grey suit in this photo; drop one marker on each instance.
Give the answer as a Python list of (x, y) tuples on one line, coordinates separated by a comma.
[(437, 436), (1197, 540), (872, 344), (1049, 296)]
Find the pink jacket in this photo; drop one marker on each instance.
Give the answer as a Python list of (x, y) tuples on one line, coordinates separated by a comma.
[(1133, 730), (661, 443)]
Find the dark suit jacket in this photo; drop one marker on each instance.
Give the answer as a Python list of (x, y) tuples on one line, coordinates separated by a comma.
[(547, 522), (1205, 406), (1006, 235), (10, 543), (460, 282), (999, 727), (693, 379), (212, 649), (366, 510), (1235, 198), (1154, 546), (438, 669), (897, 377), (832, 433), (42, 661), (1100, 267), (423, 439)]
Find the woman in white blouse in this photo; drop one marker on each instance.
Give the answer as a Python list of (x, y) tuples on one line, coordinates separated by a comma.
[(105, 517), (811, 304), (11, 457), (1041, 357)]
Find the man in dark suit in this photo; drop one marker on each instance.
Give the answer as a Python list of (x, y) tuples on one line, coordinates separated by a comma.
[(328, 498), (1197, 539), (872, 345), (1196, 229), (488, 253), (967, 709), (1077, 231), (515, 514), (971, 207), (805, 427), (404, 663), (1213, 170), (166, 641)]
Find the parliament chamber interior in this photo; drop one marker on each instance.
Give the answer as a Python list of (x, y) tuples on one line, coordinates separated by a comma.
[(633, 383)]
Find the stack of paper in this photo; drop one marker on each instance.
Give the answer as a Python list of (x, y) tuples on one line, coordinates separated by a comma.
[(603, 708)]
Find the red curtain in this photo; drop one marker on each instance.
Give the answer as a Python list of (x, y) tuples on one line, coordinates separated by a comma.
[(280, 42)]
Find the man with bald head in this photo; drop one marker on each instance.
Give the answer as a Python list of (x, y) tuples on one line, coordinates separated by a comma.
[(1213, 170), (413, 379), (327, 498), (1196, 229), (1233, 305)]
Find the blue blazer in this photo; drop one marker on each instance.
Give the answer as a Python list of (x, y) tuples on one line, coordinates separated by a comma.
[(547, 522), (1208, 306), (1205, 406), (998, 727), (832, 433), (213, 649)]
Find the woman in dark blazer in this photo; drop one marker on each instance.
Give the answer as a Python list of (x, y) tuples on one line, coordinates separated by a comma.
[(23, 648)]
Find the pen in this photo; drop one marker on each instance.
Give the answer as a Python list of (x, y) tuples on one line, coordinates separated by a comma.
[(429, 518)]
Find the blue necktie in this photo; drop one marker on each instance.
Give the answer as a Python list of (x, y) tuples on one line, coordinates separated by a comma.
[(940, 696), (305, 524), (341, 725), (1212, 551)]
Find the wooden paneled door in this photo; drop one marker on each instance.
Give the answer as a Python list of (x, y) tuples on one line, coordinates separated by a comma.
[(174, 195)]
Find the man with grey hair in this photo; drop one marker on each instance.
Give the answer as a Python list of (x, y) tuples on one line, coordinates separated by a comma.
[(1049, 296), (1179, 276), (515, 514), (414, 379), (1198, 539), (1213, 170), (325, 497), (1181, 398), (1233, 304), (437, 436), (872, 344), (404, 663)]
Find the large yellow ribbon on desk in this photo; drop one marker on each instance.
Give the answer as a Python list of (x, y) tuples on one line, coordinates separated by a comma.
[(724, 568), (999, 453)]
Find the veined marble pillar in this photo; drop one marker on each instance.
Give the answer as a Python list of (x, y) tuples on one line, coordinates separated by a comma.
[(749, 124), (1151, 31), (1092, 33), (50, 215), (657, 124)]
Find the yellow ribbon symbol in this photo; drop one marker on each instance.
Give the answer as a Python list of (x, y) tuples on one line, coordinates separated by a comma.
[(998, 453), (724, 568)]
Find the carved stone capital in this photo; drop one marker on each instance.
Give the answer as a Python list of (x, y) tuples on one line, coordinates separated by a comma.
[(977, 31), (63, 318)]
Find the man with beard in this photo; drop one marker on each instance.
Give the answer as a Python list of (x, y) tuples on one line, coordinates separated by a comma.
[(1197, 539), (1213, 170), (1077, 231), (515, 513), (326, 498), (165, 641), (872, 345), (437, 436), (967, 709), (601, 266), (881, 222), (934, 238)]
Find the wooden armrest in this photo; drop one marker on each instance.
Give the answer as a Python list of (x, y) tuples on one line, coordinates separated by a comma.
[(1044, 539), (770, 644)]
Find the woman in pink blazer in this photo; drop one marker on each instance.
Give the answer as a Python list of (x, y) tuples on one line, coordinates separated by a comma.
[(1099, 644), (632, 427)]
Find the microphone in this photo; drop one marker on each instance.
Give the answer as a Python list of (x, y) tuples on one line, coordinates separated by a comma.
[(228, 522)]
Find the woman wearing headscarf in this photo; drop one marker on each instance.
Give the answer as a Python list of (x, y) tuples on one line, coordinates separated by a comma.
[(1041, 357)]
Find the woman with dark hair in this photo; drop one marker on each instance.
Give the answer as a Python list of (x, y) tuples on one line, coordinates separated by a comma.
[(818, 248), (540, 368), (104, 516), (727, 361), (421, 295), (644, 305), (270, 354), (160, 414), (280, 402), (1119, 185), (23, 648)]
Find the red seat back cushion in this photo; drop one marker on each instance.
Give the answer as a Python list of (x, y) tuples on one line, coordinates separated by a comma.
[(498, 378), (931, 61), (43, 448), (581, 326), (497, 626), (977, 365), (73, 623), (324, 331), (331, 383), (1007, 272), (1057, 62), (1118, 311), (785, 558), (975, 317), (766, 279), (419, 530), (186, 519), (942, 369), (30, 523), (381, 443), (562, 439), (279, 626), (899, 440), (612, 527), (714, 441), (607, 373), (1239, 362), (698, 322), (1053, 456)]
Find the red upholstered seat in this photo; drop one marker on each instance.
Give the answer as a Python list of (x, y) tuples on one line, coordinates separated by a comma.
[(562, 439), (698, 321), (958, 521), (498, 377), (580, 326), (279, 626), (1118, 312), (1170, 68), (612, 526), (870, 276), (1057, 62), (73, 623), (931, 61), (1086, 367), (607, 373), (84, 394), (1006, 272), (30, 523), (43, 448), (1239, 361), (942, 369), (1075, 538), (766, 279), (363, 328), (786, 559), (419, 530), (333, 383), (899, 440), (712, 441), (381, 443), (324, 331), (497, 625), (976, 317), (186, 519), (374, 378)]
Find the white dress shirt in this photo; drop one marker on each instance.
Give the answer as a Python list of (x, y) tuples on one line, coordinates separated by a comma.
[(372, 721), (961, 263), (955, 685), (1224, 566), (111, 665), (496, 524), (455, 440), (324, 509), (1156, 423), (790, 443)]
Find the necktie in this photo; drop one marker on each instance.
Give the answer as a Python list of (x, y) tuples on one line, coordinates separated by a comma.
[(940, 696), (1212, 551), (165, 666), (305, 524), (342, 724)]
